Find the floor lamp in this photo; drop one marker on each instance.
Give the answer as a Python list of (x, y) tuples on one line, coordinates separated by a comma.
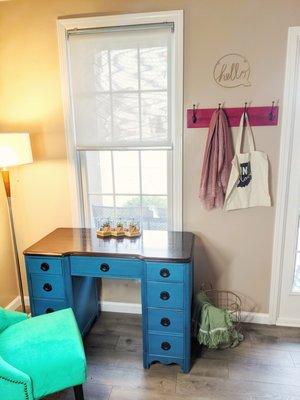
[(15, 149)]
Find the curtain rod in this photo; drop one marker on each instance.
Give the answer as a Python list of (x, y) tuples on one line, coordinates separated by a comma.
[(81, 31)]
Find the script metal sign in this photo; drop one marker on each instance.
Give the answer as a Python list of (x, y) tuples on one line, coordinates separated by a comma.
[(232, 70)]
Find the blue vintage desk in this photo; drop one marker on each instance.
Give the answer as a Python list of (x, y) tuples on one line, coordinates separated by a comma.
[(62, 271)]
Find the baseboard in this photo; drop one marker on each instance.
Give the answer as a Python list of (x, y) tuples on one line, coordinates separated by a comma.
[(255, 318), (127, 308), (16, 303), (135, 308), (293, 322)]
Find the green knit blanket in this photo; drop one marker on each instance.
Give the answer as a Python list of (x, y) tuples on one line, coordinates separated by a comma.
[(214, 326)]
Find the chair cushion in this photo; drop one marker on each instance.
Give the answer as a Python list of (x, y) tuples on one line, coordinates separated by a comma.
[(49, 349), (8, 318)]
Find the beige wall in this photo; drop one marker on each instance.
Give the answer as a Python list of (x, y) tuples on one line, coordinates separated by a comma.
[(236, 248), (8, 282)]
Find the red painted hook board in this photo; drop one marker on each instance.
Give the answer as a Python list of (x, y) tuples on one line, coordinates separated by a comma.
[(258, 116)]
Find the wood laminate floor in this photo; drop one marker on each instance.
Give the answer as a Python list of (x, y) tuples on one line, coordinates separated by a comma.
[(266, 366)]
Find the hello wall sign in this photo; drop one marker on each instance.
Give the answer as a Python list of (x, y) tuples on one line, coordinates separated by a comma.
[(232, 70)]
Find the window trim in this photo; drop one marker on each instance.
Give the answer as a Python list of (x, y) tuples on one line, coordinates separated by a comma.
[(67, 24)]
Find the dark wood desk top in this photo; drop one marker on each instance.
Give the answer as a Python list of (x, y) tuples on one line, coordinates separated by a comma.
[(152, 245)]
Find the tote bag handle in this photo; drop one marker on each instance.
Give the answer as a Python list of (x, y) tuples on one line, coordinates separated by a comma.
[(247, 128)]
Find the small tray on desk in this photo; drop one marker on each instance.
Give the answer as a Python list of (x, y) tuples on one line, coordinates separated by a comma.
[(115, 234), (133, 235), (103, 234)]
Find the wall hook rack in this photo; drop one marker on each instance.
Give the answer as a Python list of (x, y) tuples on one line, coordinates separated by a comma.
[(258, 116)]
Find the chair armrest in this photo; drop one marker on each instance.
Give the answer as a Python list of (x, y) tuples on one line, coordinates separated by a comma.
[(8, 318), (14, 384)]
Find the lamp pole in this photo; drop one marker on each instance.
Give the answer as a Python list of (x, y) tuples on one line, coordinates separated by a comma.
[(6, 181)]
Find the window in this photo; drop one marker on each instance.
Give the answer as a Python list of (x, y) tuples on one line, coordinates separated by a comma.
[(296, 282), (124, 101), (128, 185)]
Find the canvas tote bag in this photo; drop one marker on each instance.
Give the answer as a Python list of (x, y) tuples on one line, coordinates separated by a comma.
[(248, 181)]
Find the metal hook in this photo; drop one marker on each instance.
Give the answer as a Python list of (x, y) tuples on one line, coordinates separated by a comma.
[(194, 118), (220, 105), (271, 113), (245, 107)]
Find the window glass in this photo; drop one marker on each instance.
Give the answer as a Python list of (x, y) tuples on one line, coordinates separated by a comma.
[(154, 172), (131, 185)]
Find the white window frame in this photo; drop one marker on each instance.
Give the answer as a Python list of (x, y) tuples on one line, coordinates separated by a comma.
[(288, 133), (66, 24)]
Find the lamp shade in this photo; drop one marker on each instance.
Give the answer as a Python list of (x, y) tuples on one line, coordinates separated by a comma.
[(15, 149)]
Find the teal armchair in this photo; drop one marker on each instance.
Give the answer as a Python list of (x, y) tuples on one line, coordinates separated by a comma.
[(40, 356)]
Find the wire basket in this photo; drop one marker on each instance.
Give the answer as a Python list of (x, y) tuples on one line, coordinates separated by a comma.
[(227, 300)]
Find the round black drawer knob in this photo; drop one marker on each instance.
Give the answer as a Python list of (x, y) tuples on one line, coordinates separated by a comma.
[(165, 295), (49, 310), (104, 267), (165, 346), (165, 273), (165, 322), (45, 267), (47, 287)]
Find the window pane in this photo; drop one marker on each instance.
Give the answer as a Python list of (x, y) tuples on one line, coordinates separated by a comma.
[(154, 116), (105, 167), (93, 172), (122, 198), (128, 208), (101, 71), (154, 172), (296, 285), (102, 208), (99, 172), (91, 74), (124, 69), (155, 212), (93, 119), (126, 117), (154, 68), (126, 170)]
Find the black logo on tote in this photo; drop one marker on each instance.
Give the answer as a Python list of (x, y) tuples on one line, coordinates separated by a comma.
[(245, 174)]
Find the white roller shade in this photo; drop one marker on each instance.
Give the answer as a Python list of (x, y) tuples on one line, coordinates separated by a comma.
[(120, 87)]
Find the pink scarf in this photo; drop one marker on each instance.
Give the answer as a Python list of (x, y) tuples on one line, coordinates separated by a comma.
[(217, 159)]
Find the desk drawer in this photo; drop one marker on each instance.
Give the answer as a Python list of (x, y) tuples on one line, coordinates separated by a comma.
[(48, 306), (44, 265), (47, 286), (165, 272), (165, 320), (166, 345), (106, 267), (166, 295)]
